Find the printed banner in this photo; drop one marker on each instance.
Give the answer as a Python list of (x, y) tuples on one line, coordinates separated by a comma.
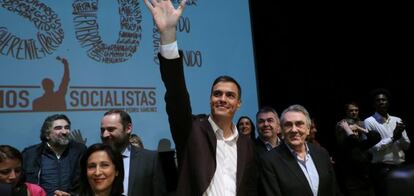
[(84, 57)]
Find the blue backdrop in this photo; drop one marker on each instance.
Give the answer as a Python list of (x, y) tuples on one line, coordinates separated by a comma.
[(111, 51)]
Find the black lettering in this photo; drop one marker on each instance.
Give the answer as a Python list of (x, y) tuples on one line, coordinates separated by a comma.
[(11, 99), (188, 3), (184, 24), (199, 58), (84, 97), (130, 98), (156, 44), (20, 50), (101, 97), (152, 98), (13, 44), (93, 102), (4, 41), (44, 19), (144, 99), (87, 32), (116, 99), (138, 94), (192, 58), (24, 99), (1, 98), (74, 98), (108, 99)]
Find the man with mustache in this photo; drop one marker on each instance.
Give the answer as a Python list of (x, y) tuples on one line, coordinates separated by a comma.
[(54, 163)]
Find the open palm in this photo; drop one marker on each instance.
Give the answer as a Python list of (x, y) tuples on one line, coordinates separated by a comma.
[(164, 13)]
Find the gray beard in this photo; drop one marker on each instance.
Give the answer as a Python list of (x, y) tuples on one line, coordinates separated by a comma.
[(60, 142)]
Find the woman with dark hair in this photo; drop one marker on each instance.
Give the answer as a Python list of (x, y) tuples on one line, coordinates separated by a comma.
[(11, 173), (245, 126), (102, 171)]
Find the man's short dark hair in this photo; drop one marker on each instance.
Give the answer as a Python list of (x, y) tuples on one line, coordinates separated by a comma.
[(378, 91), (347, 104), (267, 109), (125, 117), (48, 123), (225, 78)]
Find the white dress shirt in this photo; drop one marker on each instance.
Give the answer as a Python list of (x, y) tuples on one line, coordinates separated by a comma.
[(309, 169), (387, 151), (224, 179), (126, 154)]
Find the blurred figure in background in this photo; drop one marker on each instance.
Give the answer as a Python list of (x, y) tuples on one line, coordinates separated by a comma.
[(388, 154), (245, 126), (11, 173), (401, 181), (136, 141), (354, 141), (312, 134)]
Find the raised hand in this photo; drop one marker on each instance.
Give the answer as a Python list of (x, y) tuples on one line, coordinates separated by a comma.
[(399, 128), (63, 60), (353, 127), (76, 135), (166, 18), (345, 126)]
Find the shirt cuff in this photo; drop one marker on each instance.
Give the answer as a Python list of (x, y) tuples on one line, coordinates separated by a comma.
[(169, 51)]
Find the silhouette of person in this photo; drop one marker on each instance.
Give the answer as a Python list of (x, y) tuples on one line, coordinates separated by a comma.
[(50, 100)]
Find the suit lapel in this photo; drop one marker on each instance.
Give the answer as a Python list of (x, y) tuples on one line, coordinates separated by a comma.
[(133, 159), (241, 161), (318, 161), (294, 167), (212, 140)]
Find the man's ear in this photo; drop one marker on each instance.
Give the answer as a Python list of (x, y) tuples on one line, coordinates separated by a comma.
[(129, 128), (48, 134)]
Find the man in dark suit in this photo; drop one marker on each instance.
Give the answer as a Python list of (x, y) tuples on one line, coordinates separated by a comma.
[(296, 168), (143, 172), (213, 159)]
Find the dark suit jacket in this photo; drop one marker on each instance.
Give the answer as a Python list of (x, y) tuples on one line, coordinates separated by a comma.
[(282, 175), (195, 140), (145, 174), (260, 146), (5, 189)]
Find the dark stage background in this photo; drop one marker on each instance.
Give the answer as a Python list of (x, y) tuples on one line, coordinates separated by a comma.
[(321, 56)]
